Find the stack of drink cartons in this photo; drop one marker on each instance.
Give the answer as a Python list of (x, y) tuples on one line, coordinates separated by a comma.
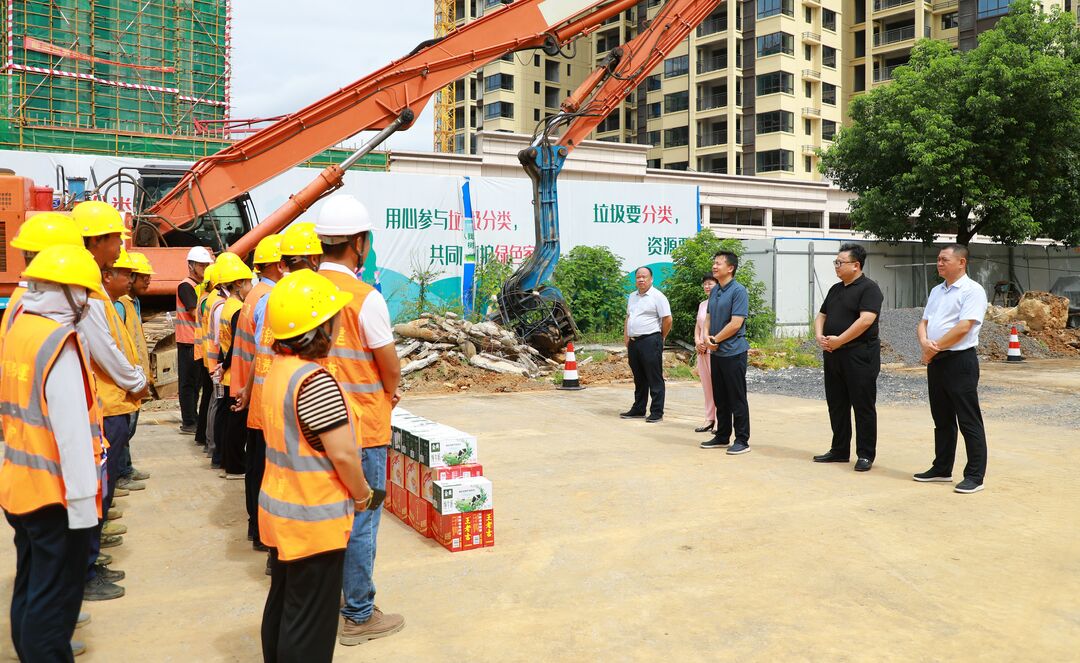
[(435, 483)]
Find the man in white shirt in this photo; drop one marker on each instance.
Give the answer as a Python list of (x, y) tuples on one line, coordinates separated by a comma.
[(648, 321), (949, 334)]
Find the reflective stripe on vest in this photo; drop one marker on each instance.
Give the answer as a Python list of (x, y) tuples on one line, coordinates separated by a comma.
[(211, 350), (244, 337), (12, 310), (264, 360), (114, 399), (32, 476), (135, 328), (225, 335), (353, 365), (185, 317), (199, 341), (304, 508)]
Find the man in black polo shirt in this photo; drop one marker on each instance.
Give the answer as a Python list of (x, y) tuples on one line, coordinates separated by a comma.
[(847, 331)]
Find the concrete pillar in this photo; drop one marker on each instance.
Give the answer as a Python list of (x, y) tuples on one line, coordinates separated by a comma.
[(768, 222)]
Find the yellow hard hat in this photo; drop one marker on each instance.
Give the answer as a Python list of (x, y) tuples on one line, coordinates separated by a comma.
[(44, 230), (229, 268), (95, 218), (300, 239), (66, 264), (124, 261), (268, 250), (142, 264), (302, 301), (210, 275)]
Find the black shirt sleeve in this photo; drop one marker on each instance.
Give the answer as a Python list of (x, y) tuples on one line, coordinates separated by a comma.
[(320, 406), (186, 293), (871, 299)]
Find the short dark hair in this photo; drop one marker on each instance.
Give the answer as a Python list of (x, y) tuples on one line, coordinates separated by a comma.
[(958, 250), (338, 250), (856, 251), (730, 258), (646, 268), (708, 277)]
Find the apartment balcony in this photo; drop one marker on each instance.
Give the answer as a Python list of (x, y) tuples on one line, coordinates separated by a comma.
[(811, 3), (883, 74), (882, 5), (811, 74), (713, 26), (809, 150), (711, 64), (711, 139), (897, 35), (711, 102), (811, 111), (811, 37), (944, 5)]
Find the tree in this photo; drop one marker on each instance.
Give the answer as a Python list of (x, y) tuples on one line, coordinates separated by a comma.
[(591, 280), (690, 263), (981, 142)]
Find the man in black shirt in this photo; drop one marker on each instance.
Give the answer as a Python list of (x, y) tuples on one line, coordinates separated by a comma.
[(847, 331)]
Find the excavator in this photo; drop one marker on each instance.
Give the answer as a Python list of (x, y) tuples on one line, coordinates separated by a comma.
[(208, 204)]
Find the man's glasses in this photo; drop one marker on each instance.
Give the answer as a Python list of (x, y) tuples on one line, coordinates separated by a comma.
[(837, 263)]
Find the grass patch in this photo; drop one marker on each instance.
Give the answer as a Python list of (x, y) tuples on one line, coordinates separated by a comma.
[(783, 353), (597, 356), (601, 338), (680, 372)]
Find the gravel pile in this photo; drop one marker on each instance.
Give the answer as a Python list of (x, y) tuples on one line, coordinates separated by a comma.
[(900, 342), (808, 383)]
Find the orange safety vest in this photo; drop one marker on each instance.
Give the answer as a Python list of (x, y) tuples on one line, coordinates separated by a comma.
[(11, 311), (304, 508), (211, 351), (353, 366), (134, 327), (185, 317), (114, 399), (199, 343), (31, 477), (264, 359), (244, 339), (225, 334)]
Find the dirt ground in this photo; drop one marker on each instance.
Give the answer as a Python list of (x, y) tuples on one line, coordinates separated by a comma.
[(620, 540)]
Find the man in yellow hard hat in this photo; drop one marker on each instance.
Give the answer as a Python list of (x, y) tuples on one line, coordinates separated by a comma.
[(188, 349), (252, 346), (230, 429), (37, 233), (121, 383), (50, 481), (300, 246), (208, 402)]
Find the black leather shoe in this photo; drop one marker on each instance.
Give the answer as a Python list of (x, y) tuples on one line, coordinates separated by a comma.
[(707, 428), (863, 465), (654, 418), (632, 415), (830, 457)]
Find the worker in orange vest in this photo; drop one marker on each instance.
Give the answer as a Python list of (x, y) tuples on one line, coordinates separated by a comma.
[(188, 352), (121, 383), (314, 480), (230, 429), (364, 360), (50, 481), (209, 298), (132, 316), (252, 344)]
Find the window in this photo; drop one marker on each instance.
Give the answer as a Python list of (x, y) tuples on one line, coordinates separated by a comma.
[(808, 165), (679, 66), (766, 8), (808, 128), (808, 14), (808, 53), (536, 115), (774, 121), (840, 220), (536, 60), (860, 43), (551, 71), (808, 88), (773, 82), (499, 82), (568, 71), (828, 94), (828, 130), (652, 110), (828, 57), (775, 160), (828, 20), (676, 137), (552, 96), (988, 8), (679, 101), (459, 143), (610, 123), (652, 83), (860, 11), (652, 163), (678, 165), (536, 87), (498, 109), (777, 42), (790, 218), (459, 91), (737, 216), (652, 138), (949, 21), (509, 57)]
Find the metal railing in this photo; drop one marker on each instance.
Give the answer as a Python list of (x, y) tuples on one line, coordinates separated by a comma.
[(944, 4), (811, 110), (811, 73), (712, 138), (809, 149), (715, 63), (712, 26), (711, 102), (895, 35), (880, 5), (885, 73), (811, 36)]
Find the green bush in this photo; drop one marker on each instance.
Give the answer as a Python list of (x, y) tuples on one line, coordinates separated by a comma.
[(591, 280), (490, 276), (691, 262)]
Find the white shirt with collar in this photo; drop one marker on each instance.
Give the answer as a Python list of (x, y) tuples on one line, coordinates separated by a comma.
[(375, 328), (646, 312), (949, 304)]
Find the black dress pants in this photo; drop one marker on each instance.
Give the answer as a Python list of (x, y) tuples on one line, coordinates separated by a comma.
[(206, 394), (646, 355), (300, 619), (233, 437), (729, 395), (953, 382), (188, 369), (851, 375), (49, 579), (255, 461)]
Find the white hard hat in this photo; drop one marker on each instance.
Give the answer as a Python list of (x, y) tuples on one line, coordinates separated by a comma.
[(200, 254), (342, 216)]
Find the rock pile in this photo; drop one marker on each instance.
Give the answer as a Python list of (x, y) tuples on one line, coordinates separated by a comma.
[(430, 338), (1037, 310)]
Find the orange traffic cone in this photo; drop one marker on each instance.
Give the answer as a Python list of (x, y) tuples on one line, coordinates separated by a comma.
[(1014, 346), (569, 376)]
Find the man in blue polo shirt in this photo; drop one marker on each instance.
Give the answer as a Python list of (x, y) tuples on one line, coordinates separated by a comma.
[(728, 307)]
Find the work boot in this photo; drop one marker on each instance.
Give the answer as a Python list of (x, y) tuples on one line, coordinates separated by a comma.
[(104, 559), (113, 529), (115, 514), (187, 430), (99, 589), (139, 475), (109, 575), (83, 620), (120, 492), (78, 648), (127, 483), (111, 542), (378, 625)]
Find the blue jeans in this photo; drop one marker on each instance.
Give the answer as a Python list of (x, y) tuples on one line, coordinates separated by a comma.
[(126, 468), (358, 584), (116, 432)]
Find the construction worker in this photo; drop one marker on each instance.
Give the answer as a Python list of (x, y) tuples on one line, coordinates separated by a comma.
[(121, 383), (230, 428), (314, 480), (250, 345), (187, 363), (364, 360), (50, 481), (208, 351), (36, 233), (300, 246)]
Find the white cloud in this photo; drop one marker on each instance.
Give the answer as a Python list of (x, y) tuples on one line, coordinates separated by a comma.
[(286, 55)]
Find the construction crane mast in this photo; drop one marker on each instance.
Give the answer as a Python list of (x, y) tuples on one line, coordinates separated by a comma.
[(445, 120)]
